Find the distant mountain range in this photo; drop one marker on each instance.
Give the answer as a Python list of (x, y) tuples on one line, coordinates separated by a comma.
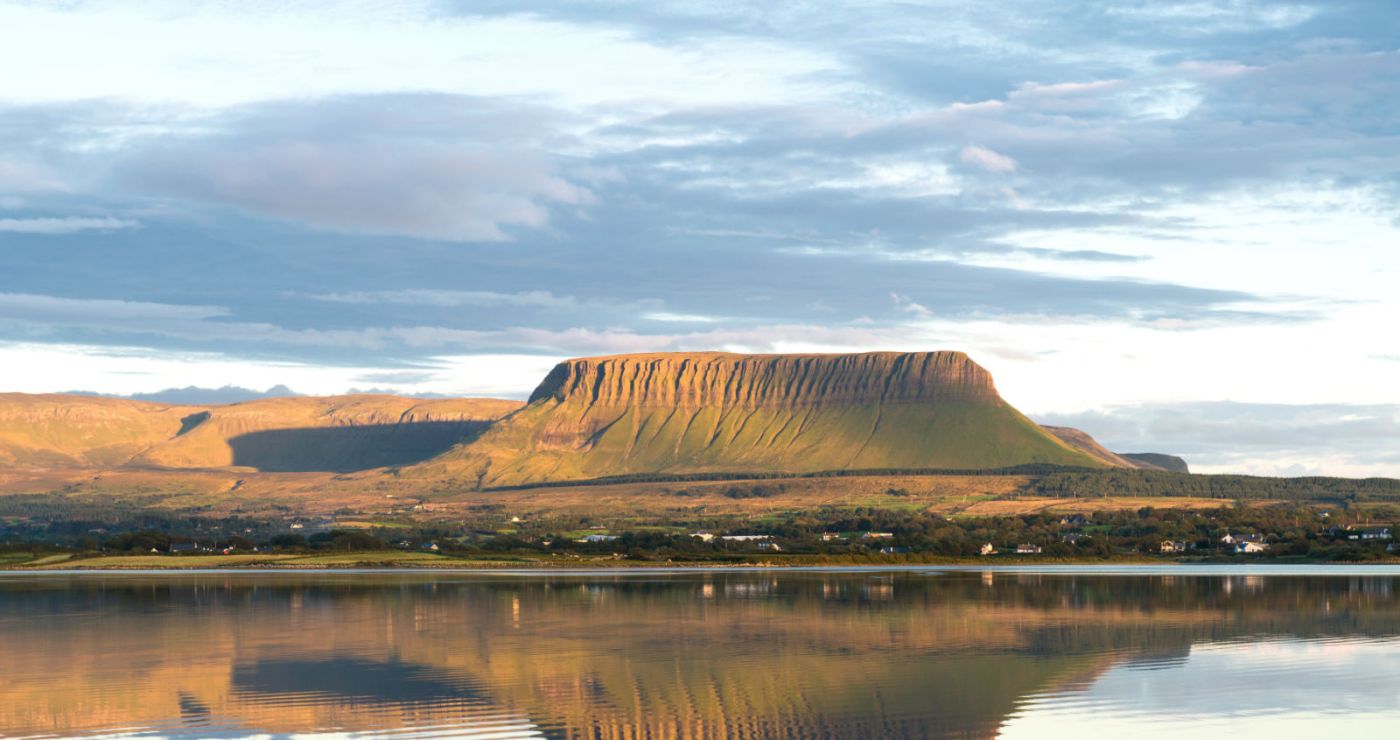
[(594, 417), (196, 396)]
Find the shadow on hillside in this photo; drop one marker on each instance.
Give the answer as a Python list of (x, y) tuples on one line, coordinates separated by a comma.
[(350, 448)]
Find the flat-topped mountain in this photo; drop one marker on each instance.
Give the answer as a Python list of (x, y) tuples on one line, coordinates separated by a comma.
[(594, 417), (727, 379), (719, 412)]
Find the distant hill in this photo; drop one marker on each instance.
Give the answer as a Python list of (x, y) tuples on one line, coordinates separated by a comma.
[(701, 412), (198, 396), (1169, 463), (306, 433), (1081, 441)]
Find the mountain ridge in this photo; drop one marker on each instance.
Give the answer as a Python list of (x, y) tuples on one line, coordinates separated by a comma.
[(725, 412), (591, 417)]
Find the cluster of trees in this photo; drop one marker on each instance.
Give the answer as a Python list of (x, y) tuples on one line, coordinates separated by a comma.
[(336, 539), (1100, 483), (1291, 530)]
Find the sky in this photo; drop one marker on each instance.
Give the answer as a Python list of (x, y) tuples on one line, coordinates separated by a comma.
[(1172, 224)]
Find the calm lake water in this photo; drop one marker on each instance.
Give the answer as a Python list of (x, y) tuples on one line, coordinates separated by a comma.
[(1037, 652)]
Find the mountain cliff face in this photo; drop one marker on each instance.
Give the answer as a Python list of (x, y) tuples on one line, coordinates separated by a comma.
[(721, 412), (721, 379)]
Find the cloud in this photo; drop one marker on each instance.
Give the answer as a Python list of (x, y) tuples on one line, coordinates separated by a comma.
[(67, 225), (450, 298), (45, 308), (681, 318), (1266, 439), (987, 159), (25, 177), (432, 166)]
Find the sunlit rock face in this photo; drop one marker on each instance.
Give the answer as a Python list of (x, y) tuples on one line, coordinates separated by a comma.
[(752, 381), (719, 412)]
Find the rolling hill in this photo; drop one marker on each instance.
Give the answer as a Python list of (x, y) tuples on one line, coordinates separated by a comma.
[(334, 433), (719, 412)]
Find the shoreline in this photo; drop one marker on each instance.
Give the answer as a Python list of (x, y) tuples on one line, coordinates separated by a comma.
[(1127, 567)]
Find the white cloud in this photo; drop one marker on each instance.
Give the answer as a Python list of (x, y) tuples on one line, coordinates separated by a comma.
[(24, 177), (987, 159), (47, 368), (98, 311), (448, 168), (450, 298), (67, 225), (225, 53)]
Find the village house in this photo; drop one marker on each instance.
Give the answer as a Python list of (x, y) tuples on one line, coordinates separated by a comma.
[(877, 535), (987, 549), (771, 546), (595, 538), (1172, 546), (745, 537), (1245, 547), (1027, 549), (831, 536), (703, 536), (1231, 540), (1074, 520)]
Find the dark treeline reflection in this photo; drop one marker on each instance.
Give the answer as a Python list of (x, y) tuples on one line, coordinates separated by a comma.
[(732, 654)]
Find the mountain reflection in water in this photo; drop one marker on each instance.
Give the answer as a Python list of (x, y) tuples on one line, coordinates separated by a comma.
[(733, 654)]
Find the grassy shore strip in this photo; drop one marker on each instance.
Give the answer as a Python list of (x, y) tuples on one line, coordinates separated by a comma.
[(381, 560)]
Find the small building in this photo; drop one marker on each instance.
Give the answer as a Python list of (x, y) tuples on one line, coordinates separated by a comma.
[(1074, 520), (770, 546), (1230, 540), (987, 549), (596, 538), (1371, 535), (703, 536), (1027, 549), (1171, 546), (430, 546), (831, 536), (1245, 547), (877, 535), (745, 537)]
